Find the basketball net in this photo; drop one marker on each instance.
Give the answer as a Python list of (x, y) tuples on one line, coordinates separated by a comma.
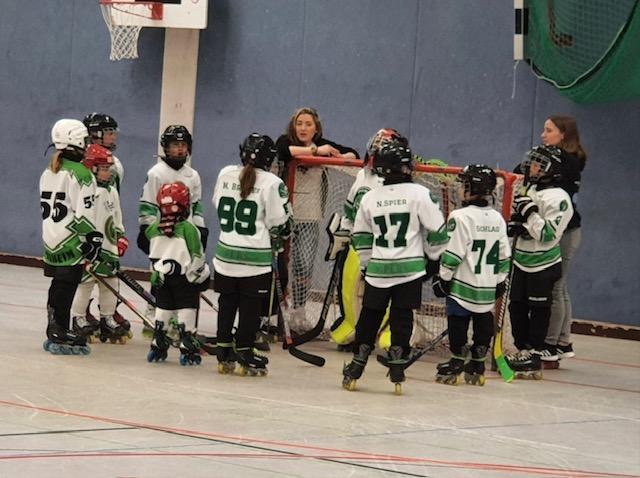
[(120, 17)]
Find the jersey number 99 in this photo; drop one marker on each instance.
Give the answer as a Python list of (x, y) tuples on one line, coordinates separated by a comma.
[(239, 216)]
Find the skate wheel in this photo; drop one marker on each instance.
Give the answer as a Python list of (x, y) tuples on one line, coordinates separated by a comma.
[(197, 360), (123, 340), (129, 334), (85, 350), (112, 340), (398, 389), (222, 369), (537, 375), (151, 356), (349, 384), (183, 360), (103, 339), (46, 345), (242, 371)]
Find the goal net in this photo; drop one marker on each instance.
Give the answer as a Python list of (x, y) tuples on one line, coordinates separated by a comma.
[(318, 187)]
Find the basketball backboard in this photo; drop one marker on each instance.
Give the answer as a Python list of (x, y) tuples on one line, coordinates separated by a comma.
[(159, 13)]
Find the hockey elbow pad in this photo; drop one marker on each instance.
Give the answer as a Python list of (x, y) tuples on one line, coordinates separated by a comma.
[(142, 240)]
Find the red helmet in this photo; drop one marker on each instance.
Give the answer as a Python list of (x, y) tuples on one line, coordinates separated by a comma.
[(96, 155), (173, 200), (382, 137)]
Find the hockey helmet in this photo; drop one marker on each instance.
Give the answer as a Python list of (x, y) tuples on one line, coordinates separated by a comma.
[(393, 160), (96, 156), (97, 123), (549, 161), (478, 180), (69, 134), (258, 150), (176, 132), (173, 200), (383, 136)]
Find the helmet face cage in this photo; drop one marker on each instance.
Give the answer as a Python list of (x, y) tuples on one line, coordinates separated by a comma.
[(478, 180), (258, 150), (548, 159), (175, 133), (382, 137), (173, 200), (393, 159)]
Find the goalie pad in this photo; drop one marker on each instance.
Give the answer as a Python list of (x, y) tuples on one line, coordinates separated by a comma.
[(339, 238)]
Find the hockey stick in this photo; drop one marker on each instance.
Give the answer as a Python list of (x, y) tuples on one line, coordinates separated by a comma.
[(124, 300), (328, 299), (285, 313), (416, 353), (498, 355), (138, 289)]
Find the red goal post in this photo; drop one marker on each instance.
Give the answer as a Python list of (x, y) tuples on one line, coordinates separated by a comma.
[(318, 187)]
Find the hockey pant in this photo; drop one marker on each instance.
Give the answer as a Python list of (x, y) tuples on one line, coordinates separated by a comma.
[(458, 319), (244, 295), (180, 298), (530, 305), (64, 282), (107, 299), (350, 292)]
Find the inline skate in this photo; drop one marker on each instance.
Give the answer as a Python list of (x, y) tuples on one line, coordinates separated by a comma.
[(449, 373), (226, 357), (189, 347), (112, 331), (63, 342), (159, 344), (474, 368), (354, 369), (251, 363), (526, 364), (397, 364)]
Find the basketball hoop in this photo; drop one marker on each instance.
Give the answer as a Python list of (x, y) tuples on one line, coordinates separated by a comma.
[(123, 18)]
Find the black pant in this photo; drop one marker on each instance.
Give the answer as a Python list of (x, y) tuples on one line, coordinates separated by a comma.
[(65, 280), (404, 298), (459, 325), (530, 305), (245, 295)]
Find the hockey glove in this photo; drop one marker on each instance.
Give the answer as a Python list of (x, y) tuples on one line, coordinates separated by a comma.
[(204, 235), (123, 245), (92, 246), (157, 279), (524, 206), (441, 288), (515, 228), (501, 289), (143, 241), (432, 268)]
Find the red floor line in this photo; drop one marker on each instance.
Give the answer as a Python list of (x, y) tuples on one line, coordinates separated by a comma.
[(344, 454), (604, 362), (602, 387)]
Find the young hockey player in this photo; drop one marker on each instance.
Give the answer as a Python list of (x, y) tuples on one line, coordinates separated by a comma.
[(538, 221), (99, 161), (180, 272), (351, 282), (388, 235), (254, 216), (176, 141), (103, 130), (67, 193), (473, 269)]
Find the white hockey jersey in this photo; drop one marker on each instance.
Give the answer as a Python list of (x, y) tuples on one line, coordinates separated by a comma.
[(67, 204), (179, 254), (160, 174), (365, 181), (477, 256), (540, 249), (244, 246), (389, 233), (109, 223), (118, 172)]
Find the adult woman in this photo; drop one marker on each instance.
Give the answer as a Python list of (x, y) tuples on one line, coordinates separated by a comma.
[(562, 132), (303, 137)]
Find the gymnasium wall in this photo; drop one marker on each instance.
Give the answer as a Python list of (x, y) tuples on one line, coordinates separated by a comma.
[(441, 72)]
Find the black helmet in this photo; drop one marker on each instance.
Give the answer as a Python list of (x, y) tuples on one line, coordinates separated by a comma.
[(96, 123), (390, 158), (176, 132), (383, 136), (258, 150), (549, 158), (478, 180)]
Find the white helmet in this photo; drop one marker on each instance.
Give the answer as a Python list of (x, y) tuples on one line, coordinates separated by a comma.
[(69, 132)]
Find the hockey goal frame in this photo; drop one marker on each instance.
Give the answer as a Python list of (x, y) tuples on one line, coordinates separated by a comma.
[(430, 320)]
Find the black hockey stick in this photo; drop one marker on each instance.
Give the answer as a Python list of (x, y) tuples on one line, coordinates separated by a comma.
[(122, 299), (328, 299), (138, 289), (284, 311), (416, 353)]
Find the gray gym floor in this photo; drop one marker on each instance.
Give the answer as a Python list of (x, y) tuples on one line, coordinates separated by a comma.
[(112, 414)]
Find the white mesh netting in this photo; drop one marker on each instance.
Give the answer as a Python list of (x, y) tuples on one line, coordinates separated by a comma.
[(319, 190), (121, 17)]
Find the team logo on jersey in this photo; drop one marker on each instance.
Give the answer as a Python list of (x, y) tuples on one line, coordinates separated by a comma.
[(283, 191), (451, 225), (564, 206)]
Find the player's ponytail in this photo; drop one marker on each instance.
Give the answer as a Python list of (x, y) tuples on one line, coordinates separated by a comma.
[(55, 164), (247, 180)]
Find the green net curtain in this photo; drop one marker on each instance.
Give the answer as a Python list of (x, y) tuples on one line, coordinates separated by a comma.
[(588, 49)]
